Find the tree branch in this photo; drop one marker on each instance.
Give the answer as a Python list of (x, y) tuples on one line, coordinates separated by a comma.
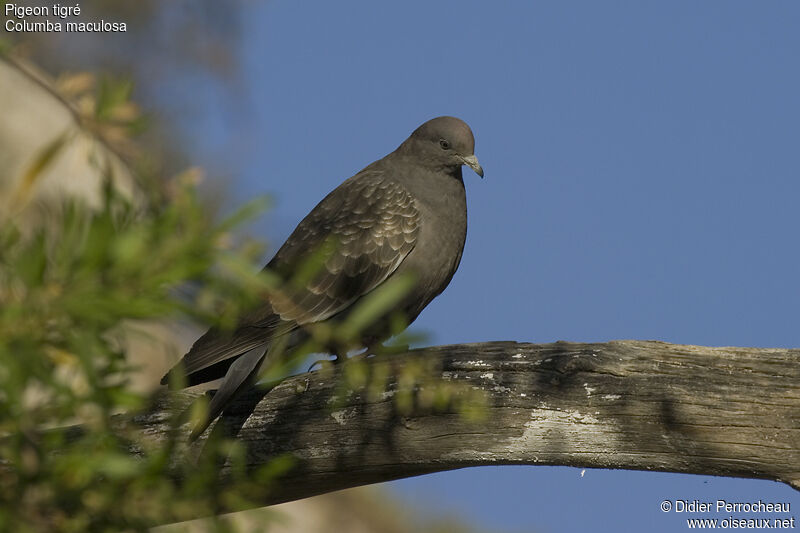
[(623, 404)]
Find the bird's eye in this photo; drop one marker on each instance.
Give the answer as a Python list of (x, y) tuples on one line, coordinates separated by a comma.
[(444, 144)]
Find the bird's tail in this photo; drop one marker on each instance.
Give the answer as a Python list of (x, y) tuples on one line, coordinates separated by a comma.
[(241, 374), (244, 372)]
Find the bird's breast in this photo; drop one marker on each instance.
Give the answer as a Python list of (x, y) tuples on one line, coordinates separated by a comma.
[(437, 253)]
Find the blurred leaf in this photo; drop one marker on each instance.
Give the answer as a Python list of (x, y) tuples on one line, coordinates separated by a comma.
[(76, 84), (117, 466), (111, 95), (375, 305), (305, 272), (38, 165)]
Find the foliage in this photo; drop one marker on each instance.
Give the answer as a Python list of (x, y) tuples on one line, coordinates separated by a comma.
[(64, 292), (72, 457)]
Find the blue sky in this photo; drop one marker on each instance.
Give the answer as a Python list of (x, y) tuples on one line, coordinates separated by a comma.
[(642, 182)]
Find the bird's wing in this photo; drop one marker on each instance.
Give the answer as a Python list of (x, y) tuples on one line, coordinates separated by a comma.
[(360, 233), (208, 358)]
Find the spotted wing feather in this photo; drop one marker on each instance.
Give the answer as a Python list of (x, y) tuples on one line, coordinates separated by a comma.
[(360, 232)]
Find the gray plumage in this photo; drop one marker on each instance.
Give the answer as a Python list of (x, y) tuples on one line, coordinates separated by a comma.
[(405, 213)]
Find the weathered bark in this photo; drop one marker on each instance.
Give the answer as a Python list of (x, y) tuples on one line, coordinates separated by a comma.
[(623, 404)]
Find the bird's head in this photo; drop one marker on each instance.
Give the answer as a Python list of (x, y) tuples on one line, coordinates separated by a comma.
[(444, 142)]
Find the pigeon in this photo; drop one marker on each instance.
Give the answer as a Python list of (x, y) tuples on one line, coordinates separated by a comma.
[(403, 215)]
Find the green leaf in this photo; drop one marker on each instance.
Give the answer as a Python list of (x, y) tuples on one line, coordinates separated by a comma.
[(375, 305), (40, 162)]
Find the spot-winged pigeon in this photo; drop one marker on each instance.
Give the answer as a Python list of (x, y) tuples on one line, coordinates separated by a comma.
[(405, 213)]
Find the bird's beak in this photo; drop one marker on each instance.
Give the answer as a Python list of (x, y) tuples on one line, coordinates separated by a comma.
[(472, 162)]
